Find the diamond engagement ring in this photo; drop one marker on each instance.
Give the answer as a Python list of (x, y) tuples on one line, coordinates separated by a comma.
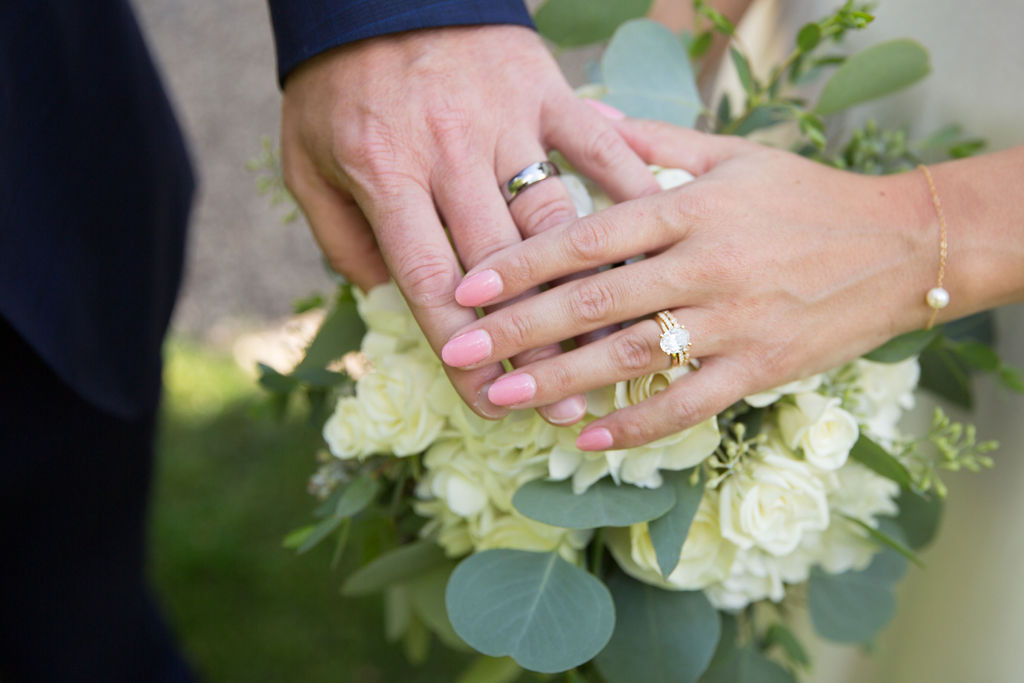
[(532, 174), (674, 339)]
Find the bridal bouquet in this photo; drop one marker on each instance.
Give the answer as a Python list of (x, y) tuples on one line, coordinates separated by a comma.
[(684, 559)]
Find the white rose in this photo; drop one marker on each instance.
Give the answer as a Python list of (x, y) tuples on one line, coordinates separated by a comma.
[(705, 558), (386, 315), (633, 391), (772, 501), (818, 427), (400, 400), (764, 398), (345, 430)]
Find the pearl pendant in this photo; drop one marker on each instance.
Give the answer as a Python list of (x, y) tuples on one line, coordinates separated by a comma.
[(937, 297)]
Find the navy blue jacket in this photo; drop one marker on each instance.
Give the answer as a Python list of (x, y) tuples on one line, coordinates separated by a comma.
[(95, 180)]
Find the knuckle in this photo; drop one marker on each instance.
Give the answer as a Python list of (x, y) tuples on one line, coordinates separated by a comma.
[(449, 124), (516, 329), (585, 239), (591, 301), (604, 147), (682, 410), (426, 277), (631, 353)]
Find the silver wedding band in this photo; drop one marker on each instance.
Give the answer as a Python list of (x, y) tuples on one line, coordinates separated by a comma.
[(532, 174)]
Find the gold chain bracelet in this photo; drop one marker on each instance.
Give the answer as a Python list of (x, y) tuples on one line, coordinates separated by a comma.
[(937, 297)]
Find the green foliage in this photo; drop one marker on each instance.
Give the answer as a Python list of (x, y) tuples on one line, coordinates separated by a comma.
[(603, 504), (491, 670), (545, 613), (903, 347), (887, 541), (660, 636), (880, 461), (271, 179), (852, 607), (918, 517), (786, 640), (394, 566), (574, 23), (668, 532), (647, 74), (950, 446), (736, 661), (872, 73)]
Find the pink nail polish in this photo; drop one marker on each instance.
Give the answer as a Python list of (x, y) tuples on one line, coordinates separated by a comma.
[(566, 411), (512, 389), (597, 439), (606, 110), (467, 349), (478, 288)]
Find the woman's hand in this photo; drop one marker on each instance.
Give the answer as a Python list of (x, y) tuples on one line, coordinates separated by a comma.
[(779, 267)]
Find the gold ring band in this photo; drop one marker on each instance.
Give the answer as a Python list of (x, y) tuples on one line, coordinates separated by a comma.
[(674, 339)]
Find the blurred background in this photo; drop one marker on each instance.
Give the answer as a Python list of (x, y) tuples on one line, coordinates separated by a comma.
[(231, 480)]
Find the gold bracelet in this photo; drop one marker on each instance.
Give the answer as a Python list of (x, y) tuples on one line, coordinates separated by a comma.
[(937, 297)]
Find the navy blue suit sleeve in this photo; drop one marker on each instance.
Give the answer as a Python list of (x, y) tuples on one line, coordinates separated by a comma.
[(304, 28)]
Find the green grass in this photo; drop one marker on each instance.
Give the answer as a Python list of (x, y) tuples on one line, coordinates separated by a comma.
[(230, 484)]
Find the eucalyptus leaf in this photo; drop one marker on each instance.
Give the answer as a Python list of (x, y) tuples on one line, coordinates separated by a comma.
[(342, 331), (660, 636), (880, 461), (648, 74), (918, 517), (395, 566), (872, 73), (668, 532), (700, 45), (603, 504), (545, 613), (852, 607), (573, 23), (903, 347), (943, 373)]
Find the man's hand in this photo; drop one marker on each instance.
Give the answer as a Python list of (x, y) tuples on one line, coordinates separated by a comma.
[(386, 140)]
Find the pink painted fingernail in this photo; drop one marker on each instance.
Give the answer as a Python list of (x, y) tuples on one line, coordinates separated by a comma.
[(566, 411), (597, 439), (478, 288), (467, 349), (512, 389), (605, 110)]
